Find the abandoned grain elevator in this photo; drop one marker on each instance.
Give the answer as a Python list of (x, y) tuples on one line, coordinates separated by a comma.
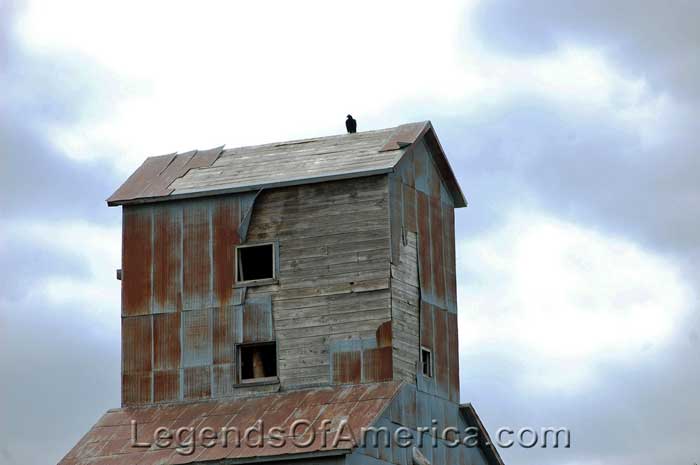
[(312, 279)]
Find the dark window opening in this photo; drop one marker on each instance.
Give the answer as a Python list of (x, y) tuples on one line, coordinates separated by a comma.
[(426, 358), (258, 361), (255, 262)]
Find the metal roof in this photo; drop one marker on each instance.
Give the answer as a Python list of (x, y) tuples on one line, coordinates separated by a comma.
[(221, 171), (109, 441)]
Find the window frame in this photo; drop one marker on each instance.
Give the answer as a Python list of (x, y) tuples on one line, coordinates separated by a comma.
[(256, 282), (431, 364), (239, 365)]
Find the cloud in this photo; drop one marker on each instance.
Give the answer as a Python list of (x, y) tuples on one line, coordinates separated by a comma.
[(656, 40)]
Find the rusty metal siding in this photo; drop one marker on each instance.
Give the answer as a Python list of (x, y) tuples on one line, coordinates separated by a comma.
[(196, 338), (166, 341), (197, 382), (448, 221), (424, 247), (453, 355), (437, 269), (223, 335), (136, 261), (137, 338), (225, 220), (196, 275), (347, 368), (136, 388), (166, 259), (166, 385), (377, 364)]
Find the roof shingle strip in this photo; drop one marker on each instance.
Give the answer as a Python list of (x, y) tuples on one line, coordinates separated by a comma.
[(110, 440)]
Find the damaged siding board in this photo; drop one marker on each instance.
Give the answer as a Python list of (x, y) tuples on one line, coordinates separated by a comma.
[(136, 261)]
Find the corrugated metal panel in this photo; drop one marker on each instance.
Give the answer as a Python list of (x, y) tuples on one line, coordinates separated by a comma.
[(440, 353), (377, 364), (137, 339), (453, 355), (136, 388), (158, 187), (166, 385), (405, 135), (347, 368), (223, 334), (448, 221), (424, 248), (197, 382), (166, 341), (437, 263), (409, 208), (196, 338), (196, 276), (426, 324), (223, 379), (225, 218), (136, 261), (166, 259)]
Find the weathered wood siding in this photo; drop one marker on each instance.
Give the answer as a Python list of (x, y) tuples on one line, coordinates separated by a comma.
[(333, 274)]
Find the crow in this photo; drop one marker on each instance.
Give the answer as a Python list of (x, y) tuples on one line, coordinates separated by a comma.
[(351, 125)]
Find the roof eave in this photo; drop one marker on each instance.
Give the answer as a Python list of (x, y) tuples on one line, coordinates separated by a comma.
[(473, 420)]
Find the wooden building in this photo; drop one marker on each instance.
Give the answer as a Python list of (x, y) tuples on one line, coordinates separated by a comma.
[(312, 279)]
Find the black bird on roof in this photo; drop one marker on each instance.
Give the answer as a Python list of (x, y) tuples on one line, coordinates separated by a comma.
[(351, 124)]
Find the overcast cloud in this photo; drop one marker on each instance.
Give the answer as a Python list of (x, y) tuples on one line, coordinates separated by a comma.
[(572, 126)]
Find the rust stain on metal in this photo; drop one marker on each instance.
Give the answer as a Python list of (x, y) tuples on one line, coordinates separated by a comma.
[(448, 221), (136, 388), (136, 261), (453, 354), (404, 135), (424, 260), (196, 338), (196, 260), (377, 364), (166, 259), (437, 267), (158, 187), (137, 338), (426, 324), (223, 336), (384, 334), (441, 352), (166, 341), (141, 178), (166, 385), (225, 217), (197, 382), (346, 367)]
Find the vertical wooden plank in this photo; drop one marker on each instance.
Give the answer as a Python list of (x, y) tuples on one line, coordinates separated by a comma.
[(196, 276), (136, 261), (225, 219), (409, 208), (166, 341), (436, 253), (166, 258)]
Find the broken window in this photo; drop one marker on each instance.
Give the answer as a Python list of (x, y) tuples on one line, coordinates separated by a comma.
[(255, 262), (257, 361), (426, 358)]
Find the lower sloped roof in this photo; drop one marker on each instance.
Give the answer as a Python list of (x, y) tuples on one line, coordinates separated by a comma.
[(109, 442)]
